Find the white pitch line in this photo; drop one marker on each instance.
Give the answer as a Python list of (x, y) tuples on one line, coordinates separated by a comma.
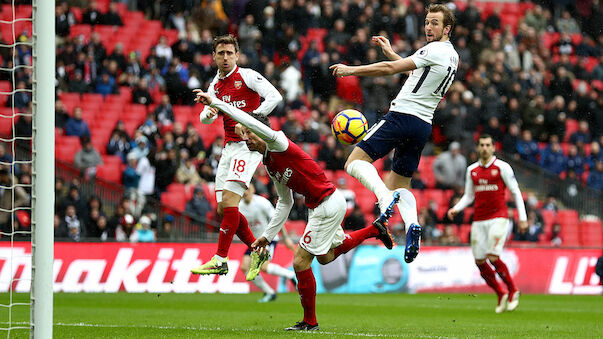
[(215, 329)]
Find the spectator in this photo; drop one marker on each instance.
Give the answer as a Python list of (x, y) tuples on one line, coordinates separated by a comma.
[(416, 182), (75, 126), (552, 158), (567, 24), (60, 115), (118, 144), (348, 194), (143, 231), (11, 196), (575, 161), (582, 136), (299, 211), (125, 228), (449, 167), (60, 228), (532, 233), (21, 98), (164, 51), (166, 231), (105, 85), (556, 235), (198, 207), (290, 81), (510, 139), (75, 229), (187, 171), (355, 220), (112, 17), (164, 113), (595, 178), (130, 179), (595, 155), (74, 198), (92, 16), (550, 203), (141, 95), (166, 166), (527, 147), (449, 238), (77, 83), (87, 158), (146, 185)]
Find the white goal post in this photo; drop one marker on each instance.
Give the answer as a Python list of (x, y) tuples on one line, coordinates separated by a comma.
[(43, 169)]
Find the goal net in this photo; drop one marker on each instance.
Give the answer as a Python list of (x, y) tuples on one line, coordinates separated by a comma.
[(27, 55)]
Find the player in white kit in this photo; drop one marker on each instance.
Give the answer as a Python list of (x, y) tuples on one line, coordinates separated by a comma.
[(485, 183), (407, 126), (258, 211), (242, 88)]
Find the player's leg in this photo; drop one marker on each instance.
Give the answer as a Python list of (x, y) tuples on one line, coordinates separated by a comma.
[(479, 247), (496, 239), (269, 293), (306, 287), (274, 269)]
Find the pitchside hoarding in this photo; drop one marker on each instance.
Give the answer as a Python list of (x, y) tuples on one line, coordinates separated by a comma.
[(164, 267)]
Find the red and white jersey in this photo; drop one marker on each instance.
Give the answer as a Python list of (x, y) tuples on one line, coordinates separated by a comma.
[(295, 169), (244, 89), (486, 184)]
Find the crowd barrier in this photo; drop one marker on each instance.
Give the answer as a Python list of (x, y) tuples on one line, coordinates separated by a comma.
[(165, 267)]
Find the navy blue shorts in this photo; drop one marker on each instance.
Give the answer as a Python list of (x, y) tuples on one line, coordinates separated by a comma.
[(405, 133), (271, 247)]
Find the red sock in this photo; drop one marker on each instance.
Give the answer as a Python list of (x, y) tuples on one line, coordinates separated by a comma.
[(244, 232), (306, 287), (503, 272), (228, 228), (490, 278), (354, 239)]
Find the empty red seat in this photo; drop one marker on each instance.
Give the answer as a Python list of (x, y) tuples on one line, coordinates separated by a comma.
[(109, 172), (174, 200), (591, 233)]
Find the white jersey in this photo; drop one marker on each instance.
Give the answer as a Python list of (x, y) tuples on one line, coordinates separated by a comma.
[(436, 63), (258, 213)]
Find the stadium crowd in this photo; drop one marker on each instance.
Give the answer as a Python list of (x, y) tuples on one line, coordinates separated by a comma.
[(533, 81)]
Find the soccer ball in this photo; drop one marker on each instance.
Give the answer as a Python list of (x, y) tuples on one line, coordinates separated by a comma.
[(349, 126)]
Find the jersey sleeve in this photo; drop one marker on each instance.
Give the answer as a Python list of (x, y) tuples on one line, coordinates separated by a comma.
[(469, 194), (266, 133), (264, 88), (506, 172), (279, 144), (282, 210), (426, 56), (203, 116)]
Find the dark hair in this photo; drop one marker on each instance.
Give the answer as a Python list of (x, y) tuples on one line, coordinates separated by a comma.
[(261, 118), (485, 136), (227, 39), (447, 12)]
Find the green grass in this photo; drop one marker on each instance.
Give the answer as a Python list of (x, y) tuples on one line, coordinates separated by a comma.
[(125, 315)]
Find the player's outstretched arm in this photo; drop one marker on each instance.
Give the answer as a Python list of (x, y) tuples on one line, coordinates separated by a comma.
[(266, 133), (282, 210), (376, 69), (466, 199)]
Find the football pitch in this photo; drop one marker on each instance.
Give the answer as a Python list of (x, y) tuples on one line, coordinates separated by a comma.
[(127, 315)]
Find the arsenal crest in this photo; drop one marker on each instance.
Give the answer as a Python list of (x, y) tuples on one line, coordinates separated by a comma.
[(238, 84), (494, 172)]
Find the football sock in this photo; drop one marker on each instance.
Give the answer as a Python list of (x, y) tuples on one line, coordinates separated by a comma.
[(244, 232), (354, 239), (408, 207), (220, 259), (262, 285), (280, 271), (367, 174), (503, 272), (228, 228), (490, 277), (306, 287)]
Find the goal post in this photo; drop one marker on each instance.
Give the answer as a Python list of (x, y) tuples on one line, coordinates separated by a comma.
[(43, 169)]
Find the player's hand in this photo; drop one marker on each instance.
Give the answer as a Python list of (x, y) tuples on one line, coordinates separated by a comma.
[(341, 70), (202, 97), (259, 243), (382, 42), (239, 129), (211, 112), (523, 226), (452, 213)]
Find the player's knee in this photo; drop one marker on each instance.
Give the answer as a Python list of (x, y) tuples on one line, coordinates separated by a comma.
[(300, 264), (323, 259), (220, 209), (492, 258), (479, 261)]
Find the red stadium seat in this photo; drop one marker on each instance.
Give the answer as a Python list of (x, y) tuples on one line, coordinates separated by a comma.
[(174, 200), (591, 233), (111, 172)]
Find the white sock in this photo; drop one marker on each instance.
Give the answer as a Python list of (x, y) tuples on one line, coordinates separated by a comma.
[(280, 271), (220, 259), (408, 207), (262, 284), (367, 174)]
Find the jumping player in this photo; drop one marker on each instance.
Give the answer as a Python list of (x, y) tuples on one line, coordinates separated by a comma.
[(485, 182), (407, 126), (291, 169), (258, 211), (243, 88)]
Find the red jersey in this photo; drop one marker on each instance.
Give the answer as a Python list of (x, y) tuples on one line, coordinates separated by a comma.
[(298, 171), (489, 183)]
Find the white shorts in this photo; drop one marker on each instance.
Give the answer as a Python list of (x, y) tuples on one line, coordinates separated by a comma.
[(236, 168), (488, 237), (324, 231)]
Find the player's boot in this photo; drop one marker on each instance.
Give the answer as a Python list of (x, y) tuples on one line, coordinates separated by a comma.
[(381, 222), (302, 326), (214, 266), (413, 242), (257, 260), (268, 298), (502, 303), (513, 301)]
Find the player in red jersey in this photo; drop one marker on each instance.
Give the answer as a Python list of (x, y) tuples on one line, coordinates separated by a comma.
[(293, 170), (243, 88), (485, 182)]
